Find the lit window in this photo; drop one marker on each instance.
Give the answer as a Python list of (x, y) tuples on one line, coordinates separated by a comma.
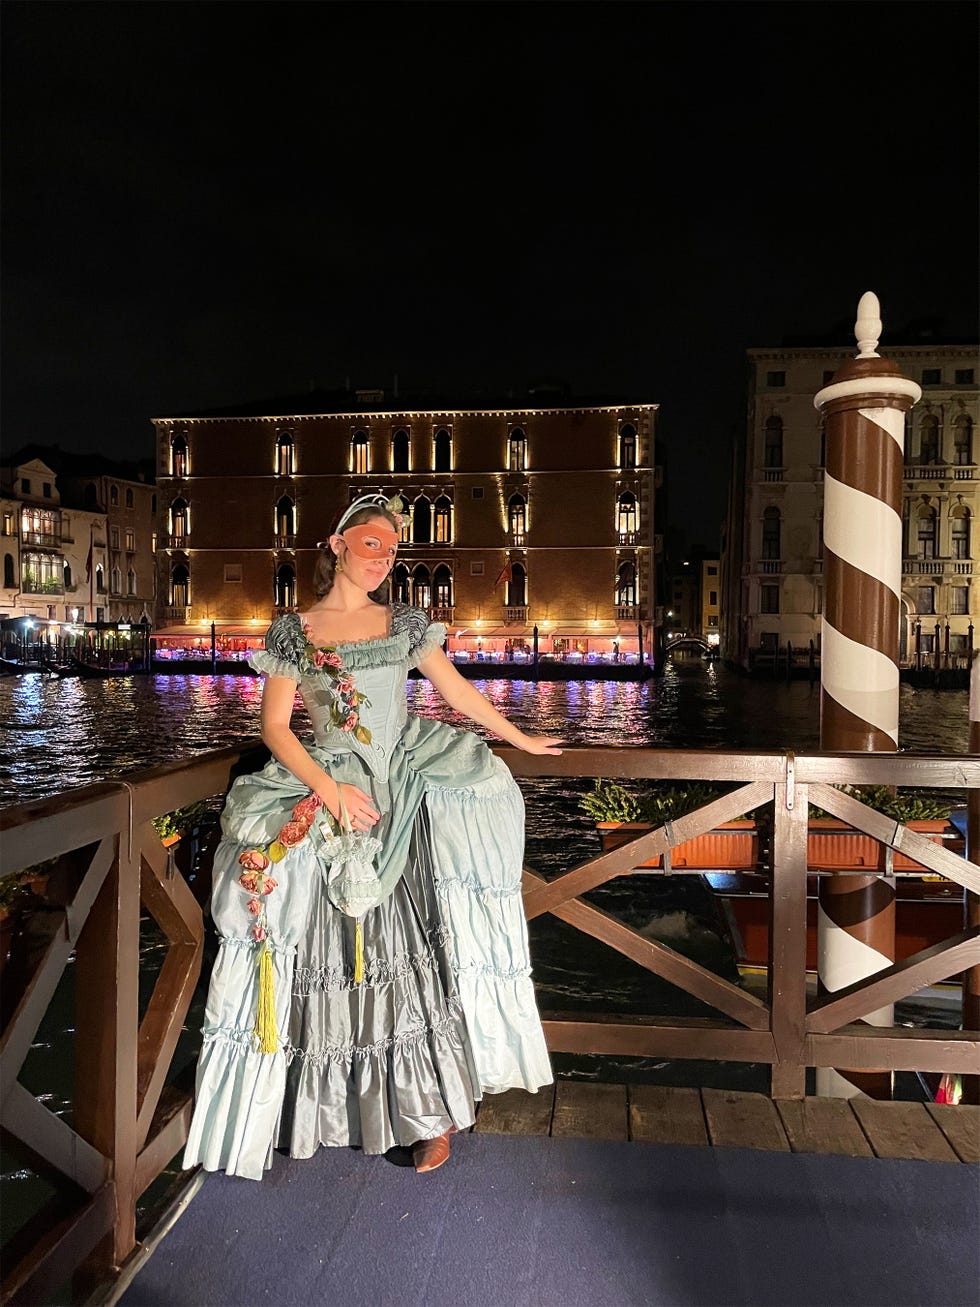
[(443, 519), (517, 461), (284, 454), (130, 539), (359, 453), (626, 585), (178, 456), (627, 516), (517, 518)]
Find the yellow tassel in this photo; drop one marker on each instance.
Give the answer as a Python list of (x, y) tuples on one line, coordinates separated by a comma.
[(358, 952), (266, 1030)]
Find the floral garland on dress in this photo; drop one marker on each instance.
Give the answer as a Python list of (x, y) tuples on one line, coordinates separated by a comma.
[(325, 659)]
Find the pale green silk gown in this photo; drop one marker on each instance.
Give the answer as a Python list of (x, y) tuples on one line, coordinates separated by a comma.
[(444, 1009)]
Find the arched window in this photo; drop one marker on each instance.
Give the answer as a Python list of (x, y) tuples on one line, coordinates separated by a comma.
[(443, 450), (400, 586), (284, 454), (178, 456), (99, 579), (114, 496), (9, 580), (180, 586), (773, 451), (443, 519), (399, 451), (517, 459), (129, 497), (627, 445), (422, 521), (442, 587), (179, 519), (929, 439), (626, 585), (67, 571), (285, 586), (961, 531), (131, 582), (359, 453), (627, 515), (927, 523), (517, 519), (421, 587), (771, 533), (115, 581), (285, 517), (405, 532), (517, 587), (962, 440)]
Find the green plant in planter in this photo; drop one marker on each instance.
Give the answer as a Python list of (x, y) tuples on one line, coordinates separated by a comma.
[(180, 821), (610, 801), (910, 806)]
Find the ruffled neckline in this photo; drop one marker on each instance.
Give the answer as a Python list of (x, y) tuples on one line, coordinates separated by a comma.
[(375, 641)]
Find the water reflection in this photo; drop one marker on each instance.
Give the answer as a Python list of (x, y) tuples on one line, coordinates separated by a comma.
[(59, 734)]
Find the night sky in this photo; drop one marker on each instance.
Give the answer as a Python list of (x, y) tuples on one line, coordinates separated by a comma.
[(206, 203)]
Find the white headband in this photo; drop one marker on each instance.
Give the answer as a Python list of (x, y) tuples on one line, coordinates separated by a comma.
[(394, 505)]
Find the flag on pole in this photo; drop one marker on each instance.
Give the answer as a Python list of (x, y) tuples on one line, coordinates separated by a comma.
[(88, 560), (506, 574)]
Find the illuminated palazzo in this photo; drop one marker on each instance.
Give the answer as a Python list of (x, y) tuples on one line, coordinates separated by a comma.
[(517, 517), (772, 565)]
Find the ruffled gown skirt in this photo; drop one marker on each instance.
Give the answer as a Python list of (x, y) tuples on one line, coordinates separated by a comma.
[(445, 1009)]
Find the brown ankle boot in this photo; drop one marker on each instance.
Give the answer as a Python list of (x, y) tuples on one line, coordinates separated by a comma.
[(431, 1153)]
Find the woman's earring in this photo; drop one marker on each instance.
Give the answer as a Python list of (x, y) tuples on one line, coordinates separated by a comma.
[(340, 566)]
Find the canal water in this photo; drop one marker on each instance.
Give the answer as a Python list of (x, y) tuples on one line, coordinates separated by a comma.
[(60, 734)]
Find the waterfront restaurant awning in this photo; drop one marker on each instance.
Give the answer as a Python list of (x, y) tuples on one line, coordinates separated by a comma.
[(203, 629)]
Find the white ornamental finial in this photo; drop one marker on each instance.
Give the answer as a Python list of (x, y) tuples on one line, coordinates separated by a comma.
[(867, 329)]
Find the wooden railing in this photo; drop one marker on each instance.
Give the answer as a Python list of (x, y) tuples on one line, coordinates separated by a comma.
[(785, 1031), (128, 1123)]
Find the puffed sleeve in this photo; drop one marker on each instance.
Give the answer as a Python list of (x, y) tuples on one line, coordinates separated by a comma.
[(284, 644), (424, 636)]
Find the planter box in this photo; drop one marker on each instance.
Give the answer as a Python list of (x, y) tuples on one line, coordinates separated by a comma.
[(733, 845), (833, 844)]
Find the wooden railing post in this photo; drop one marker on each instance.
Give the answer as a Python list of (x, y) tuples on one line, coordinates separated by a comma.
[(787, 937), (106, 1025)]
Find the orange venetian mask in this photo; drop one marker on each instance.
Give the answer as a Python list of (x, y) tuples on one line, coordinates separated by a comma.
[(371, 540)]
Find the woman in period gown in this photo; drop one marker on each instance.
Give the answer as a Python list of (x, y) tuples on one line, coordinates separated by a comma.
[(373, 978)]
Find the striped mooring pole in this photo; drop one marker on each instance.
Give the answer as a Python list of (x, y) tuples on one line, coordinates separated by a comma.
[(864, 411)]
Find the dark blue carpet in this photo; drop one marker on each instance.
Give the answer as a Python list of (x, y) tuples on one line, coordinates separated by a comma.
[(514, 1222)]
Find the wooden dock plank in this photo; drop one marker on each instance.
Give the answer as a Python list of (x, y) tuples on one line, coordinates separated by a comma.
[(961, 1126), (902, 1130), (516, 1112), (740, 1120), (823, 1125), (584, 1110), (665, 1114)]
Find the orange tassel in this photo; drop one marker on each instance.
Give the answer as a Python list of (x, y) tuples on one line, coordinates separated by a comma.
[(358, 952), (266, 1031)]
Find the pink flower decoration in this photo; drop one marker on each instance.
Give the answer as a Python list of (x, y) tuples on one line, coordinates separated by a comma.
[(306, 808), (293, 833), (345, 685), (268, 885), (333, 660), (249, 883), (258, 934), (253, 860), (349, 722), (319, 658), (255, 907)]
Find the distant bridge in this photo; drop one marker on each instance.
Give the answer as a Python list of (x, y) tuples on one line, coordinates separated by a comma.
[(688, 641)]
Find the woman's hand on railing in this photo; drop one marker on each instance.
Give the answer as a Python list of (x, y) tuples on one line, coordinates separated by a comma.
[(540, 744)]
